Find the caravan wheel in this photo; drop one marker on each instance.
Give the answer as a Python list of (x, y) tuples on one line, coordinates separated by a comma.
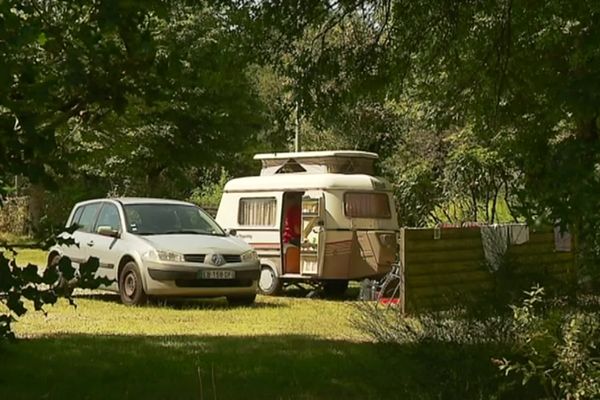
[(269, 283)]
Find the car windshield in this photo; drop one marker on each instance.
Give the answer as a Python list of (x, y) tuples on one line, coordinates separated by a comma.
[(169, 219)]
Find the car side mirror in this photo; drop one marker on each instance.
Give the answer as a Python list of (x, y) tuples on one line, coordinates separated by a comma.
[(231, 232), (108, 231)]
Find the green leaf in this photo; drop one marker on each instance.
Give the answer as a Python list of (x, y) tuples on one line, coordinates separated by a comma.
[(66, 268), (41, 39), (15, 304), (50, 275), (6, 277), (30, 274)]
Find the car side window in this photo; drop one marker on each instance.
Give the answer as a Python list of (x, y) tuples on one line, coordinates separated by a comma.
[(109, 216), (88, 217), (77, 215)]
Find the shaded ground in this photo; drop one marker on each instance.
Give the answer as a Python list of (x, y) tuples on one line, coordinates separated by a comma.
[(281, 348), (263, 367)]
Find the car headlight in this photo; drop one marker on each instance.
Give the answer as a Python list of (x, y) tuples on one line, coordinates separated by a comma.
[(150, 255), (163, 255), (249, 256)]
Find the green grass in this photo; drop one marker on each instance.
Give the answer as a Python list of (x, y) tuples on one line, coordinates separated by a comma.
[(33, 256), (12, 239), (282, 348)]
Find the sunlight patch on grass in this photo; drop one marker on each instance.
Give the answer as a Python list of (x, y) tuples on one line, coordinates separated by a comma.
[(101, 313), (270, 316), (26, 256)]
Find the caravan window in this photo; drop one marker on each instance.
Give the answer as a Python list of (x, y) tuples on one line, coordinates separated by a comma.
[(367, 205), (257, 211)]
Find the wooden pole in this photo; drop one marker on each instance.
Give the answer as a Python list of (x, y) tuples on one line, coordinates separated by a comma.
[(297, 130)]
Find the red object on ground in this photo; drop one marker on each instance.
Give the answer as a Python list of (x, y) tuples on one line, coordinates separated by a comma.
[(394, 301)]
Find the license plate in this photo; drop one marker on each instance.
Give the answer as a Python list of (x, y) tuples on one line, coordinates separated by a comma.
[(216, 274)]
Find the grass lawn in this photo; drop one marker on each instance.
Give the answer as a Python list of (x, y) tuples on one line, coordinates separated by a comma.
[(281, 348)]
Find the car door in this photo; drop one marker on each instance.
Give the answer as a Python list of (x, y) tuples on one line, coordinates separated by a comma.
[(108, 249), (85, 219)]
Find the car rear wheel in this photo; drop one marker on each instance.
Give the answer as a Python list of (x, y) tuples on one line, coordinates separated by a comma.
[(246, 300), (131, 288), (268, 282), (61, 285)]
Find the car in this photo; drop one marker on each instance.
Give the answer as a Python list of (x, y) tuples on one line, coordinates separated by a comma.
[(157, 247)]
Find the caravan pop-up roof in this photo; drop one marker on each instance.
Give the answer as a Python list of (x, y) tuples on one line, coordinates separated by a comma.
[(318, 162)]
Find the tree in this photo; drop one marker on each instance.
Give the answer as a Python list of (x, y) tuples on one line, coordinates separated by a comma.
[(118, 90), (58, 61), (110, 92), (519, 74)]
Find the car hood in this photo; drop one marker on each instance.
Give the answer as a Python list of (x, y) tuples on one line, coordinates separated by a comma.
[(197, 244)]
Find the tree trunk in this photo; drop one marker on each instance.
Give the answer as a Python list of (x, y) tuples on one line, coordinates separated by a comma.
[(37, 207), (153, 184)]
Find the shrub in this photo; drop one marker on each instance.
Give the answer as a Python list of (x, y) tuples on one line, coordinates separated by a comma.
[(558, 350), (209, 195), (551, 348), (457, 325)]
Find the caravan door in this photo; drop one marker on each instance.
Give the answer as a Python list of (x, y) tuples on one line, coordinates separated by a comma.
[(313, 233)]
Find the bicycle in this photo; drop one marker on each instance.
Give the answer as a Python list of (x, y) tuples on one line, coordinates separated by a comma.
[(389, 291), (391, 288)]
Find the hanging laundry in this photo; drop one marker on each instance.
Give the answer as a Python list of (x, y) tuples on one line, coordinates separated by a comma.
[(518, 233), (562, 239), (494, 239)]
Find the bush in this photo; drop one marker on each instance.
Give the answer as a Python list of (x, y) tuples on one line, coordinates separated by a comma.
[(558, 350), (387, 325), (14, 216), (550, 348), (209, 195)]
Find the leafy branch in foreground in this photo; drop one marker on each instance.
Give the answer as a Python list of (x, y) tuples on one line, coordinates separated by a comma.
[(41, 286)]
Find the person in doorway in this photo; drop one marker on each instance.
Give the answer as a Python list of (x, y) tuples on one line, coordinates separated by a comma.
[(291, 224), (291, 236)]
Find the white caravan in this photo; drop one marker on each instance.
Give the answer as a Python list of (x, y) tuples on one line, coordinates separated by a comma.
[(348, 227)]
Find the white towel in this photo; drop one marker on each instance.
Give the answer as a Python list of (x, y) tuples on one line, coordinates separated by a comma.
[(495, 243), (562, 240), (518, 233)]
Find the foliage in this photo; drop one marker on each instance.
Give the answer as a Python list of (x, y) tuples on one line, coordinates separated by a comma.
[(451, 178), (551, 350), (210, 194), (388, 325), (198, 104), (62, 60), (559, 352), (13, 216), (513, 82), (100, 95)]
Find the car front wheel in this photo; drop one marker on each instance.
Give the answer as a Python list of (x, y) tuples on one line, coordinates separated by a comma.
[(131, 288)]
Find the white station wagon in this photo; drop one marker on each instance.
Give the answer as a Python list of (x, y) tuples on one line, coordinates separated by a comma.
[(153, 247)]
